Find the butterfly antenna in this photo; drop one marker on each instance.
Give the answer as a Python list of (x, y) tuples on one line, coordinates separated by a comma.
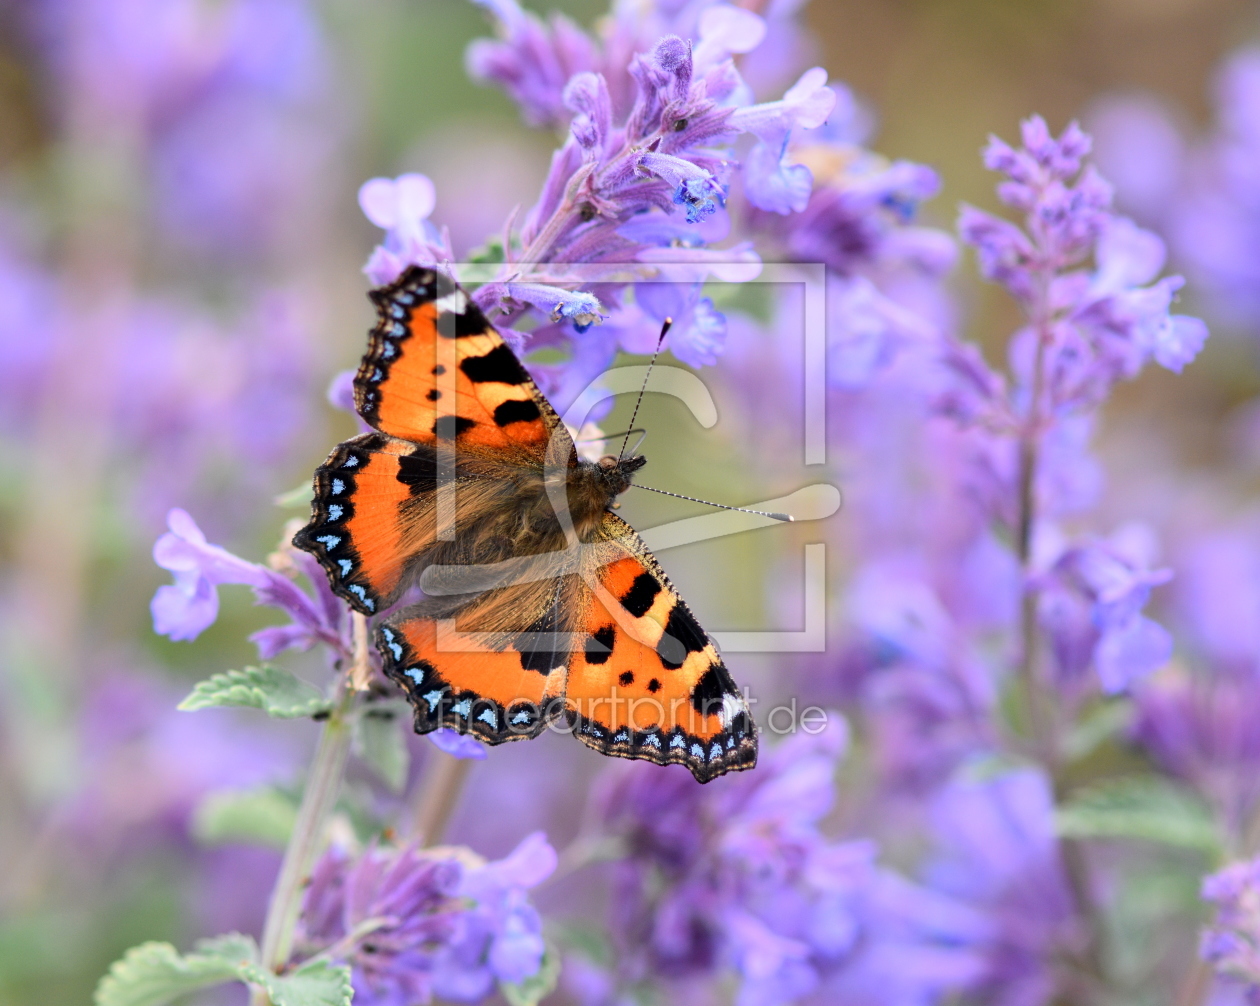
[(638, 401), (720, 506)]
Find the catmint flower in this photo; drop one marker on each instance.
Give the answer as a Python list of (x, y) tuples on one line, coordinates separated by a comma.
[(996, 849), (693, 187), (1232, 943), (401, 207), (770, 182), (741, 880), (184, 609), (458, 745), (697, 335), (532, 61), (583, 309), (1089, 328), (725, 30), (414, 923), (1091, 607)]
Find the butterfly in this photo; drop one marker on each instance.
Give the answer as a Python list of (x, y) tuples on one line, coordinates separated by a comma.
[(541, 607)]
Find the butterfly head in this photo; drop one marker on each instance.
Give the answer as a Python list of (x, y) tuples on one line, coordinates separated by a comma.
[(616, 473)]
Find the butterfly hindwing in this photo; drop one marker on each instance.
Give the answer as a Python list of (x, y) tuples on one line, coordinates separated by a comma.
[(648, 682), (436, 369), (500, 686)]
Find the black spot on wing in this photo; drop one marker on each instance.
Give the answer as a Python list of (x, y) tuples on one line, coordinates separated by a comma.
[(449, 427), (513, 411), (433, 394), (500, 364), (418, 470), (638, 599), (654, 686), (626, 677), (706, 696), (682, 635), (599, 646), (539, 647)]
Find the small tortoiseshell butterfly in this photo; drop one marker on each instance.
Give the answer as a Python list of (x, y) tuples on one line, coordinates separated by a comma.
[(541, 604)]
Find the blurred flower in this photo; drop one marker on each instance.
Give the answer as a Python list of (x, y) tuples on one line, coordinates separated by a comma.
[(740, 878), (1232, 942), (417, 923), (1091, 609), (1215, 223), (996, 850)]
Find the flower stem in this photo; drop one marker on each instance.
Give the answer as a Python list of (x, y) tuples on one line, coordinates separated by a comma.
[(318, 799), (442, 783)]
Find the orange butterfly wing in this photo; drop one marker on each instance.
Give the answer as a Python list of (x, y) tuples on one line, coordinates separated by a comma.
[(648, 682), (435, 371), (617, 655), (355, 529)]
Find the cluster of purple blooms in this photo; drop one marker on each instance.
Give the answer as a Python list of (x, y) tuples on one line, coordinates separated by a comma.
[(992, 637), (419, 923)]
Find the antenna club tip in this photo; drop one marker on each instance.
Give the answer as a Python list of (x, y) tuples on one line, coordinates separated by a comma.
[(782, 516)]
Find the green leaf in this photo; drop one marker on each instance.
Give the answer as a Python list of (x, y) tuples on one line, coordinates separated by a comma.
[(269, 688), (318, 984), (1147, 808), (263, 816), (380, 742), (536, 987), (154, 973), (1098, 725)]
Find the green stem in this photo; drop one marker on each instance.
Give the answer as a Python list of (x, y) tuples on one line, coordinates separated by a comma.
[(318, 799)]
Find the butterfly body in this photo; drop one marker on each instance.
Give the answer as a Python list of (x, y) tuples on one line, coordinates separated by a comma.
[(540, 606)]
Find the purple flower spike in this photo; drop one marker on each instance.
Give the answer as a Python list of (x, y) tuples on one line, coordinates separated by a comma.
[(1232, 943), (414, 924)]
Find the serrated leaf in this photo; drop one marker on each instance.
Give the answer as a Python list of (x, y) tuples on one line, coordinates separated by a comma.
[(153, 974), (272, 689), (379, 740), (1139, 807), (262, 816), (536, 987), (314, 985), (235, 947)]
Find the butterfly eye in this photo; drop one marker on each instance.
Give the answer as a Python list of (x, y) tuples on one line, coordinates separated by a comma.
[(607, 461)]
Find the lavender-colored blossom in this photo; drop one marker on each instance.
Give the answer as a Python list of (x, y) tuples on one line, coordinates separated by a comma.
[(1087, 330), (184, 610), (996, 850), (1232, 942), (417, 923), (1215, 223), (697, 335), (740, 879), (771, 183), (1091, 608), (401, 207)]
